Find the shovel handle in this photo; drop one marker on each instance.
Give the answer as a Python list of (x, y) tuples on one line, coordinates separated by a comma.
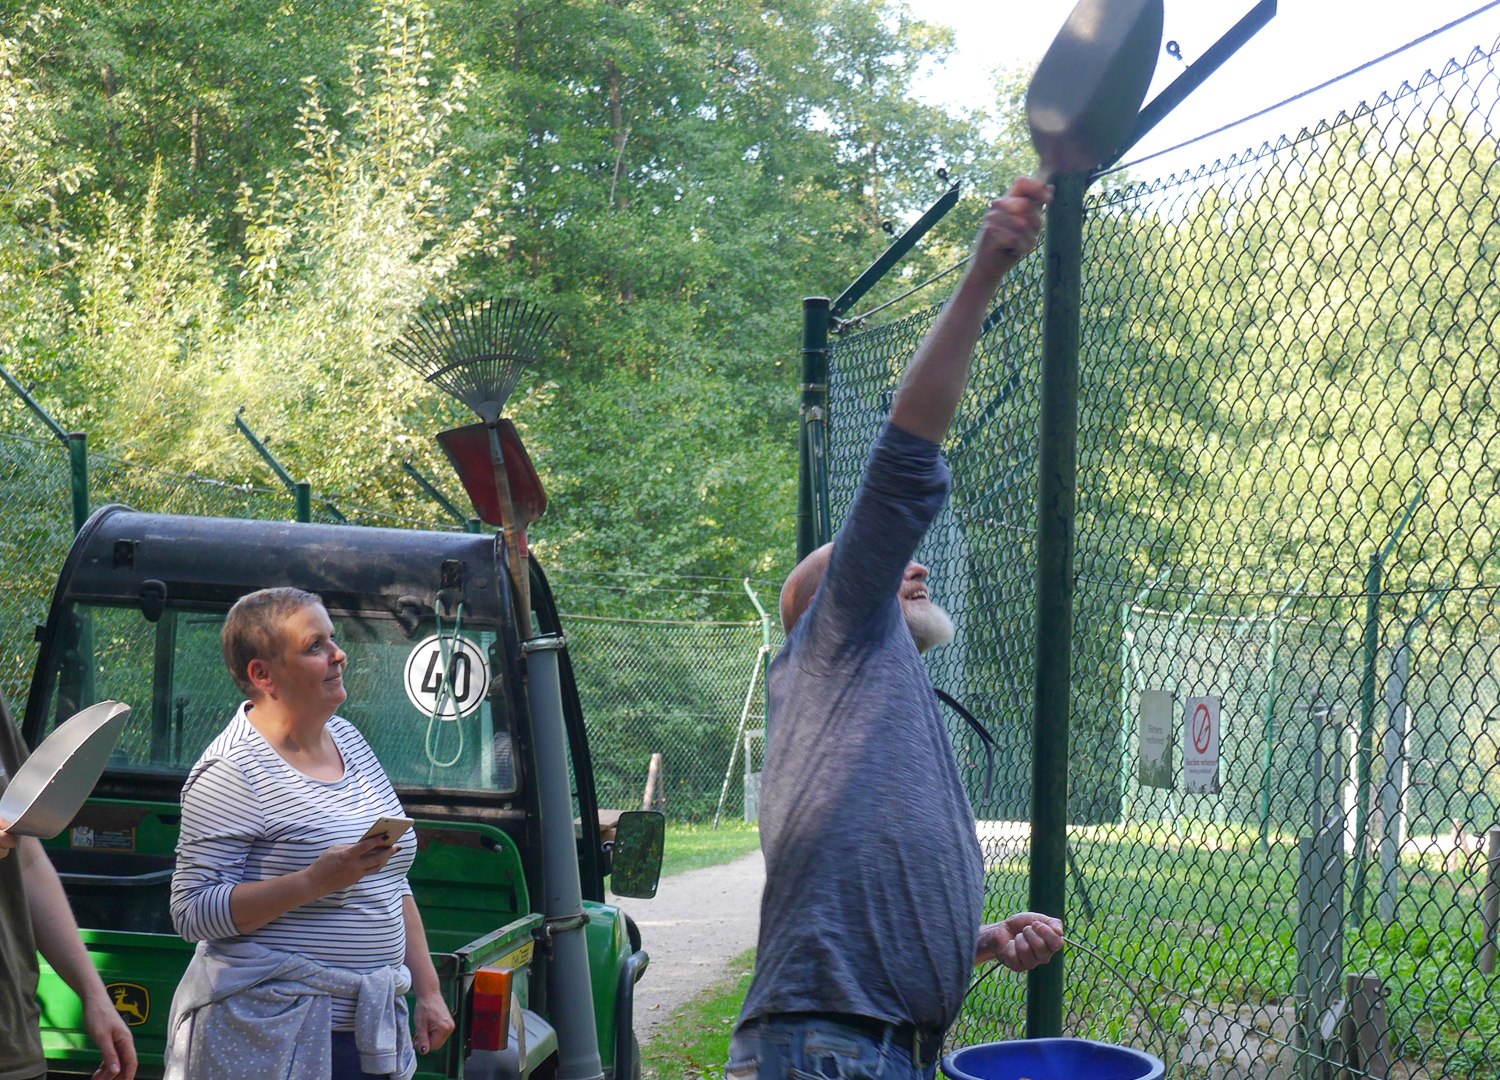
[(519, 571)]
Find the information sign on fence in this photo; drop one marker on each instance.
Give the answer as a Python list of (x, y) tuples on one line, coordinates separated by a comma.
[(1157, 739), (1200, 745)]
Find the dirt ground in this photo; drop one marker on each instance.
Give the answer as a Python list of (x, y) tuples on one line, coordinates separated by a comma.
[(696, 923)]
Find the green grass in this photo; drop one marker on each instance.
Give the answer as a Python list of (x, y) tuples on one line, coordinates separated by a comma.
[(694, 1042), (1191, 921), (1205, 920), (690, 847)]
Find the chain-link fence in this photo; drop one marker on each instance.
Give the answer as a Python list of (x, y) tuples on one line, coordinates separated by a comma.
[(35, 500), (1286, 503), (687, 691)]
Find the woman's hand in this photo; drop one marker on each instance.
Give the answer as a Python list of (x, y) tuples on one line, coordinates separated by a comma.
[(1022, 942), (345, 864), (8, 841), (432, 1023), (252, 904)]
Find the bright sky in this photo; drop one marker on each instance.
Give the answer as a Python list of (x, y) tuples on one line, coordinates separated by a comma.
[(1304, 45)]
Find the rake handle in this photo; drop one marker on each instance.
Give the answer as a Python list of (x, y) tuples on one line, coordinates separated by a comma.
[(514, 557)]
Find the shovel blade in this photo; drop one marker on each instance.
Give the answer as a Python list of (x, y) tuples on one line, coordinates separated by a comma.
[(468, 450), (1086, 94), (47, 791)]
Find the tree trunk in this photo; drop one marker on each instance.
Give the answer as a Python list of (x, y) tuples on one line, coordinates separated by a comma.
[(619, 135)]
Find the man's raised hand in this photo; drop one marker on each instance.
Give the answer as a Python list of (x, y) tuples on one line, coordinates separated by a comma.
[(1011, 227)]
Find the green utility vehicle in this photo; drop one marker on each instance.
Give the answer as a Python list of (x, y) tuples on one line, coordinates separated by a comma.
[(475, 718)]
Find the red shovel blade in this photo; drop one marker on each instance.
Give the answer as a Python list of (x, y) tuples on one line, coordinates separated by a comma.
[(468, 449)]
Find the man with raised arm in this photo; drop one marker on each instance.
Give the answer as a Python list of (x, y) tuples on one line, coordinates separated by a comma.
[(870, 920)]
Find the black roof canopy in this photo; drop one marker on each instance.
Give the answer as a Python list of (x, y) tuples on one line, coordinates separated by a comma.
[(122, 556)]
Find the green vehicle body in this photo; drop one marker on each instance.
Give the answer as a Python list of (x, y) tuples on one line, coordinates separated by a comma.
[(136, 617)]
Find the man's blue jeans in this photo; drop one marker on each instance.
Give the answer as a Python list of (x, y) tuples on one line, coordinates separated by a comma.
[(815, 1047)]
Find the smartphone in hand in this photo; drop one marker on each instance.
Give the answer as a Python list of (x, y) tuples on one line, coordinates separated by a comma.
[(393, 827)]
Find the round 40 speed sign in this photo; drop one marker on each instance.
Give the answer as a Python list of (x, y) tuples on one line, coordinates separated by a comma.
[(468, 676)]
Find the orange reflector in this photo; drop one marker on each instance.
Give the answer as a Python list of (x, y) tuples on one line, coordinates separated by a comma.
[(489, 1024), (493, 981)]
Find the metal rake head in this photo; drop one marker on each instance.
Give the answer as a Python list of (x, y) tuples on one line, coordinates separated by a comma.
[(475, 349)]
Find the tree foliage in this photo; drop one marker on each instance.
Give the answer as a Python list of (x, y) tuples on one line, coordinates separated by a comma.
[(243, 205)]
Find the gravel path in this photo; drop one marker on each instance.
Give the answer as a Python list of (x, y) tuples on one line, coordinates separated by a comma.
[(696, 923)]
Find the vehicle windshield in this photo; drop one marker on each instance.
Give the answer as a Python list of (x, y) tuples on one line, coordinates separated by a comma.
[(172, 675)]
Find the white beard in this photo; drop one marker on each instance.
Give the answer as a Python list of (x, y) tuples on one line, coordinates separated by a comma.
[(929, 624)]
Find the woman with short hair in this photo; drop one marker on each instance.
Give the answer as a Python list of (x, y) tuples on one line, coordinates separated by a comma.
[(309, 937)]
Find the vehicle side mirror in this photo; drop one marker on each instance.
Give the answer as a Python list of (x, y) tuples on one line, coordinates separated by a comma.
[(636, 854)]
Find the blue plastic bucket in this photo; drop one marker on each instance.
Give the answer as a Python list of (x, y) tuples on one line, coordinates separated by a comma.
[(1051, 1059)]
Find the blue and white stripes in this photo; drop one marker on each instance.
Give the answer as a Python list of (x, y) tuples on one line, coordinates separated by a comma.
[(248, 815)]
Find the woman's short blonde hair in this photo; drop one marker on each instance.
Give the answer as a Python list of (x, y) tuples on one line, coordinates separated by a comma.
[(254, 629)]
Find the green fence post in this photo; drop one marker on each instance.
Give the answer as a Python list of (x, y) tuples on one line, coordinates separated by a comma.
[(77, 443), (78, 479), (1057, 474), (812, 504), (78, 461), (301, 490), (81, 674)]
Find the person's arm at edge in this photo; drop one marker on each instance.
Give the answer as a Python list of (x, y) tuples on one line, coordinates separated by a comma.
[(934, 382), (432, 1021), (56, 933)]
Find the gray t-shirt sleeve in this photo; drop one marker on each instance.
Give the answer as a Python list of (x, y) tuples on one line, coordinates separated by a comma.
[(904, 485)]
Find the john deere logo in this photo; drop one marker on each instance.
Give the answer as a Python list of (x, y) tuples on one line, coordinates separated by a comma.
[(131, 1001)]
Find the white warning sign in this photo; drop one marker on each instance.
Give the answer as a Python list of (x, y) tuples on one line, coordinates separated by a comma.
[(1200, 752), (1157, 739), (468, 676)]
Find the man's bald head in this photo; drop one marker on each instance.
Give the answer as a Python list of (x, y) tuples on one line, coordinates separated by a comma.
[(801, 583), (929, 624)]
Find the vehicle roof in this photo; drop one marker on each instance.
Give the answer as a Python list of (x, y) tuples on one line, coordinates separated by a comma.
[(120, 555)]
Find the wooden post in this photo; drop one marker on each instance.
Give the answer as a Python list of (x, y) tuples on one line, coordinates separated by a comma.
[(653, 784), (1491, 906)]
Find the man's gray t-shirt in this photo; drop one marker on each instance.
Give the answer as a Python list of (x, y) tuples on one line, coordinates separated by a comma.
[(874, 881)]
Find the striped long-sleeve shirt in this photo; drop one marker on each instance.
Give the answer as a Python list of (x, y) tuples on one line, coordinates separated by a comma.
[(247, 815)]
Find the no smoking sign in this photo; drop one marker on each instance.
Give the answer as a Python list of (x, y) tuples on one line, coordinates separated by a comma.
[(468, 676), (1200, 757)]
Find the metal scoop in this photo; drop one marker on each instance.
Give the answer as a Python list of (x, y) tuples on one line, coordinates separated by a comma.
[(47, 792), (1086, 94)]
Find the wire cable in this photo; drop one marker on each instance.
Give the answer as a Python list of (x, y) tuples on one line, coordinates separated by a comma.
[(856, 320), (1305, 93)]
